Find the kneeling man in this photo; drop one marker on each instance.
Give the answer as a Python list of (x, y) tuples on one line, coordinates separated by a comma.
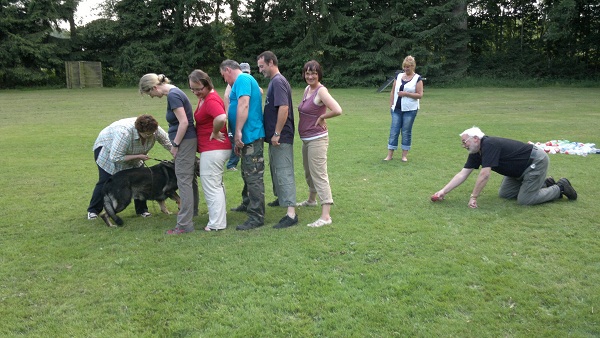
[(523, 165)]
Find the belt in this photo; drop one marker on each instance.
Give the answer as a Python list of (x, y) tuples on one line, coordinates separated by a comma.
[(530, 162)]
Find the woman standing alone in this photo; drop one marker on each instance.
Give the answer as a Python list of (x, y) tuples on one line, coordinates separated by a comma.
[(404, 101)]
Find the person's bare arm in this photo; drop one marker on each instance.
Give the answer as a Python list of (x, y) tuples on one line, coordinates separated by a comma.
[(241, 118)]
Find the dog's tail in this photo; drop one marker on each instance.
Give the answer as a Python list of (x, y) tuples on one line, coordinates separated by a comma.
[(110, 210)]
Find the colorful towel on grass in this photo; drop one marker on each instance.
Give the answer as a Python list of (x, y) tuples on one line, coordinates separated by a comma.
[(567, 147)]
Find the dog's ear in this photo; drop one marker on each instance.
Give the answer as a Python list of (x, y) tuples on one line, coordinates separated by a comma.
[(164, 170)]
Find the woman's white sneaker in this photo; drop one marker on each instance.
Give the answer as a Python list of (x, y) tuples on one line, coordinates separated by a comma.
[(307, 204), (319, 223)]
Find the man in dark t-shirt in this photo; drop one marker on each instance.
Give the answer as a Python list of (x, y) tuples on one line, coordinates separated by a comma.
[(524, 167), (279, 134)]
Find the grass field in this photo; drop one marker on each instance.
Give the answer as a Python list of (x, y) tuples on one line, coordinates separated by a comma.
[(393, 264)]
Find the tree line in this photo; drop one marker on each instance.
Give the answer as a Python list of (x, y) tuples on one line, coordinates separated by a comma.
[(358, 42)]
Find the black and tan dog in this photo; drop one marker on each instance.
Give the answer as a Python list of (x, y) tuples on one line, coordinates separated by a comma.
[(145, 183)]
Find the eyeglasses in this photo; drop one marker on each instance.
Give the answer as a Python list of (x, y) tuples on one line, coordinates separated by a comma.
[(464, 142), (195, 90)]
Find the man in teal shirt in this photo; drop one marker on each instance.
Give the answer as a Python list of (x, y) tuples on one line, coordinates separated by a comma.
[(246, 121)]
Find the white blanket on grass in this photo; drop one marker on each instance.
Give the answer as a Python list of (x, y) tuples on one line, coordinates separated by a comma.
[(567, 147)]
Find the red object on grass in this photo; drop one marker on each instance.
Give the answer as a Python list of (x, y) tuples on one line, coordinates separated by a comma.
[(435, 198)]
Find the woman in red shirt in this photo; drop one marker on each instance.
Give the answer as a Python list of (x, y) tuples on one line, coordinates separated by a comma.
[(213, 145)]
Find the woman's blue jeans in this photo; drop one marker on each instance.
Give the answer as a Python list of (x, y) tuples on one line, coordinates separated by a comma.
[(402, 121)]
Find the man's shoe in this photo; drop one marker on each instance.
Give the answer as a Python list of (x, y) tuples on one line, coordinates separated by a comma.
[(567, 189), (92, 215), (286, 222), (549, 182), (275, 203), (248, 226), (240, 208)]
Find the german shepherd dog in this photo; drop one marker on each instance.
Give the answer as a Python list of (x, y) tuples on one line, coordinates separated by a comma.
[(145, 183)]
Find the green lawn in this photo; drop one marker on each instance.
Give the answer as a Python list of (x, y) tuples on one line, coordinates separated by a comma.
[(392, 264)]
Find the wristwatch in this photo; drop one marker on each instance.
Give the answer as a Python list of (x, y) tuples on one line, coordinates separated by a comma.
[(175, 144), (277, 134)]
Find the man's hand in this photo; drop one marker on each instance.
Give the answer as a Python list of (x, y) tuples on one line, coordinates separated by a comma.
[(473, 202), (275, 140), (438, 196), (238, 139)]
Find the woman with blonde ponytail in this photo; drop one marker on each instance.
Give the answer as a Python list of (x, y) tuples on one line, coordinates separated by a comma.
[(182, 134)]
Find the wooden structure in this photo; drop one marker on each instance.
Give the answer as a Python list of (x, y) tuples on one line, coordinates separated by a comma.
[(82, 74)]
